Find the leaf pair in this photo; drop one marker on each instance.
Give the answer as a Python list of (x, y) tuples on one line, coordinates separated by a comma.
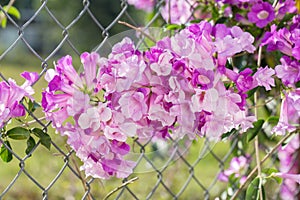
[(10, 10), (20, 133)]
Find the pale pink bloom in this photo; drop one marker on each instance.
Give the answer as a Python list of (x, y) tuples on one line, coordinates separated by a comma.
[(288, 71), (146, 5), (163, 67), (294, 177), (263, 76), (157, 112), (90, 62), (289, 114), (181, 11), (133, 105), (238, 167)]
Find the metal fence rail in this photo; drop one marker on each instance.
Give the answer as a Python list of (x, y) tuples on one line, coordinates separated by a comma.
[(181, 173)]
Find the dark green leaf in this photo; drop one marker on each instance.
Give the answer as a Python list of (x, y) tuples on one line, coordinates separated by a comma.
[(30, 145), (5, 154), (273, 120), (252, 192), (298, 84), (221, 20), (32, 105), (44, 137), (286, 18), (18, 133), (252, 132), (226, 135)]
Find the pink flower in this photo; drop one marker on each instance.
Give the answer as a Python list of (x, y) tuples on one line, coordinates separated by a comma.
[(261, 14), (294, 177), (288, 71), (203, 78), (163, 66), (89, 62), (180, 13), (11, 94), (289, 114), (146, 5), (133, 105), (238, 167), (263, 77), (289, 169)]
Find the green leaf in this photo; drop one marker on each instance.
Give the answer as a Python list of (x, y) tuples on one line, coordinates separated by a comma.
[(229, 133), (221, 20), (30, 145), (3, 22), (298, 84), (269, 172), (252, 192), (252, 132), (273, 120), (32, 105), (44, 137), (18, 133), (174, 27), (13, 11), (5, 154)]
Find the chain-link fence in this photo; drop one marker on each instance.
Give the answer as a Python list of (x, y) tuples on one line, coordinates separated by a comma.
[(172, 170)]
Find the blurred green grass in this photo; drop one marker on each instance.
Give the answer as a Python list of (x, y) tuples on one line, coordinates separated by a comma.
[(44, 166)]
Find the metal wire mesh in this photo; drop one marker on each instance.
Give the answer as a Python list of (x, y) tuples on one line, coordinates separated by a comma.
[(181, 174)]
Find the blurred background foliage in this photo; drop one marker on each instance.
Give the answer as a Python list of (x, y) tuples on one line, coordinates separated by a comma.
[(43, 34)]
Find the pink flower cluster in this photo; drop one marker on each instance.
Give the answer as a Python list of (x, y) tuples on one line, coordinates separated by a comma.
[(172, 90), (289, 169), (258, 12), (286, 40), (11, 94)]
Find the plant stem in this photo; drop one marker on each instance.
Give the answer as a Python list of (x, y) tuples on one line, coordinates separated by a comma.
[(235, 195), (138, 29), (256, 143), (119, 187), (83, 181)]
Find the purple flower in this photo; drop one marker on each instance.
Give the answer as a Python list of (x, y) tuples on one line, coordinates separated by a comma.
[(261, 14), (288, 71), (278, 40), (243, 80), (229, 41), (286, 7), (203, 78), (289, 114), (294, 177), (263, 77), (238, 167), (180, 13), (289, 168), (11, 94)]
